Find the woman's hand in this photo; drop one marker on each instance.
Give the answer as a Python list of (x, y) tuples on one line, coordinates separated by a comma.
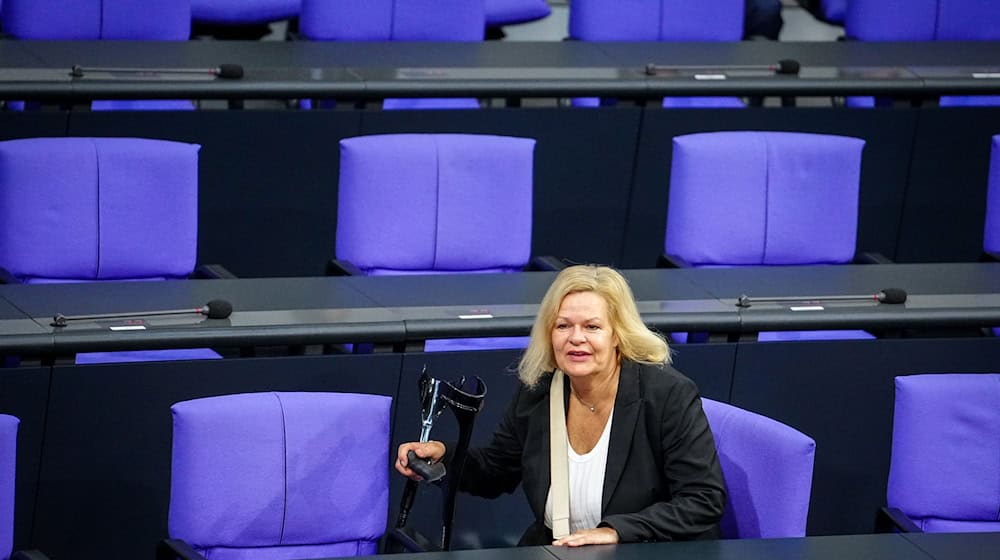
[(432, 450), (600, 535)]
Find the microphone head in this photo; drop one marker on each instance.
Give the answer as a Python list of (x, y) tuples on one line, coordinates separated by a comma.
[(892, 295), (218, 309), (230, 71), (787, 66)]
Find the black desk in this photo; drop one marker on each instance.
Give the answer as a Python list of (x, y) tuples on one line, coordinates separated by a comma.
[(955, 295), (40, 69), (970, 546), (267, 312), (957, 546), (410, 309)]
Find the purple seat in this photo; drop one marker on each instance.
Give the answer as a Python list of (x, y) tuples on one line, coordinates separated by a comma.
[(8, 466), (425, 203), (434, 204), (510, 12), (278, 476), (768, 469), (751, 198), (991, 231), (659, 20), (397, 20), (239, 12), (944, 473), (91, 20), (128, 212), (833, 11), (924, 20)]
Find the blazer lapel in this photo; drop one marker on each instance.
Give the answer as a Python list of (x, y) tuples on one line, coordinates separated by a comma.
[(623, 424)]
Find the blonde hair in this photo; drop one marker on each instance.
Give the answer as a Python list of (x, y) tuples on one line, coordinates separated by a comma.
[(636, 341)]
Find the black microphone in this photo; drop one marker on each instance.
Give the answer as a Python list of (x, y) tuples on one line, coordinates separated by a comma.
[(215, 309), (784, 66), (888, 295), (225, 71)]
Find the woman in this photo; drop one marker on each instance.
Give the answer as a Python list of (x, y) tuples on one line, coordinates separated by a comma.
[(641, 458)]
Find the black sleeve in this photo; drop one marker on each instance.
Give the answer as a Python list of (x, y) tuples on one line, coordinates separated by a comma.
[(690, 470), (496, 468)]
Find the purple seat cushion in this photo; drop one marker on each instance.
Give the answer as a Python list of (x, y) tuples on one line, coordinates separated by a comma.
[(171, 355), (393, 20), (430, 103), (703, 103), (292, 475), (129, 210), (768, 468), (435, 202), (243, 11), (656, 20), (142, 105), (789, 336), (159, 20), (945, 466), (763, 198), (507, 12), (8, 466)]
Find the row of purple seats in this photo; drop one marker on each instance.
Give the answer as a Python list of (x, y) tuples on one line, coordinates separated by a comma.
[(318, 489), (143, 19), (318, 485), (269, 476), (736, 199)]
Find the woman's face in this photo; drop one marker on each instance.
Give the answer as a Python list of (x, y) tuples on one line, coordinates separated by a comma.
[(582, 338)]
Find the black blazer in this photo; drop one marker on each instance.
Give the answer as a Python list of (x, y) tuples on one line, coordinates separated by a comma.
[(662, 481)]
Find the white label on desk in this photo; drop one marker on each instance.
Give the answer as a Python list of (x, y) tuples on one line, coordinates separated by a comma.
[(128, 328), (710, 76), (478, 316), (806, 308), (986, 75)]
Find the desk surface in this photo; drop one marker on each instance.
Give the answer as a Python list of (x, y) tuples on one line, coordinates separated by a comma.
[(491, 69), (976, 546), (412, 308)]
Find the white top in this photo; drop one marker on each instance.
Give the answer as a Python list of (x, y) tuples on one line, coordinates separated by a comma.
[(586, 484)]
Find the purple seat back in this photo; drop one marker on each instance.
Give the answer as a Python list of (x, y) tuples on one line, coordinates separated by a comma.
[(507, 12), (276, 476), (991, 233), (656, 20), (922, 20), (159, 20), (8, 463), (435, 202), (80, 209), (763, 198), (834, 10), (768, 468), (393, 20), (244, 11), (945, 467)]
